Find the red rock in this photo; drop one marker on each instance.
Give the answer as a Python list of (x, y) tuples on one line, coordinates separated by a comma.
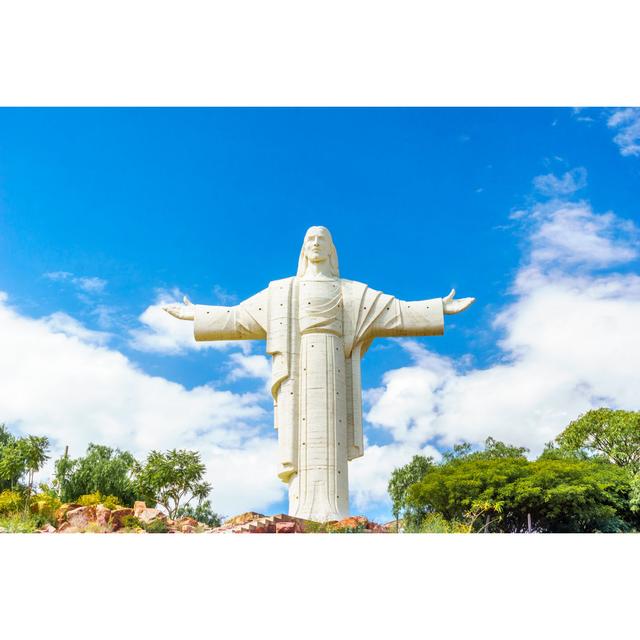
[(117, 515), (242, 518), (147, 515), (103, 515), (187, 521), (187, 528), (48, 528), (61, 511), (287, 527), (138, 507), (65, 527), (81, 516)]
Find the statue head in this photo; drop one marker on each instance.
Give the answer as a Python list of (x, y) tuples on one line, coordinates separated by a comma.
[(318, 247)]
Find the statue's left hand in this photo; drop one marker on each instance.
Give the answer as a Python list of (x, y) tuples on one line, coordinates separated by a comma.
[(451, 306)]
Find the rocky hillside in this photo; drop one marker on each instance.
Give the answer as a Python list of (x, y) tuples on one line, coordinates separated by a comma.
[(74, 518)]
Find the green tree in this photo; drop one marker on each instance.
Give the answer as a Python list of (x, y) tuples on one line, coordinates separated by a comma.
[(34, 451), (103, 469), (202, 512), (20, 457), (5, 436), (172, 479), (12, 464), (562, 493), (402, 478), (634, 500), (614, 434)]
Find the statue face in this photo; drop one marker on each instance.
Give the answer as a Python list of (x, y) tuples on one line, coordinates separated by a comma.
[(317, 245)]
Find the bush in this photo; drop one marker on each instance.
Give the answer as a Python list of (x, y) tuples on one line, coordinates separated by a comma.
[(436, 523), (10, 501), (44, 505), (157, 526), (131, 522), (359, 528), (94, 499), (103, 469), (20, 522)]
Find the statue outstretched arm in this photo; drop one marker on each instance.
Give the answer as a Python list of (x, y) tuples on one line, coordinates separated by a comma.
[(451, 306), (244, 321), (416, 317)]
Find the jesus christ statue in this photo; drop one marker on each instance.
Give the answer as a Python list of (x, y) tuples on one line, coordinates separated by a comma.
[(318, 326)]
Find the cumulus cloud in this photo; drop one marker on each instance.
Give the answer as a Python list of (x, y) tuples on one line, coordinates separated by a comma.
[(369, 475), (59, 379), (250, 366), (568, 234), (60, 322), (626, 122), (568, 343)]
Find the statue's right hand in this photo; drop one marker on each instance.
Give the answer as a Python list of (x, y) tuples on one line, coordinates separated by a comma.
[(186, 312)]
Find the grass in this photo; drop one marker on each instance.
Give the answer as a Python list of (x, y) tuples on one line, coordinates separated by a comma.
[(20, 523)]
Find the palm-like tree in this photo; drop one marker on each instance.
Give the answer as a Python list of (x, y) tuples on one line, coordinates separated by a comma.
[(34, 451)]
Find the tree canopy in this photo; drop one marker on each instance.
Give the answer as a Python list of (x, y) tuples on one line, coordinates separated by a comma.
[(612, 433), (172, 479), (403, 478), (558, 493), (103, 469)]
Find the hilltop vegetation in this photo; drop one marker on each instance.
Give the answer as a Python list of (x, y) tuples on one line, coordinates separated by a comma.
[(588, 480), (105, 477)]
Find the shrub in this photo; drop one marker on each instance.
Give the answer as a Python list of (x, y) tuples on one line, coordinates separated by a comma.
[(44, 505), (93, 527), (10, 501), (157, 526), (131, 522), (358, 528), (93, 499), (315, 527), (436, 523), (19, 522)]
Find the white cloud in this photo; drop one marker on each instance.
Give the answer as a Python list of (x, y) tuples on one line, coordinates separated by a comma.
[(162, 333), (58, 379), (87, 284), (566, 234), (570, 182), (569, 342), (250, 366), (627, 124), (60, 322), (369, 475)]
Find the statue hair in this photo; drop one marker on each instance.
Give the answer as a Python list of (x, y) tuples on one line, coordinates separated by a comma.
[(333, 254)]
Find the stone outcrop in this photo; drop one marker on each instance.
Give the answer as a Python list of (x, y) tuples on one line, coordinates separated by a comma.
[(74, 518), (81, 517)]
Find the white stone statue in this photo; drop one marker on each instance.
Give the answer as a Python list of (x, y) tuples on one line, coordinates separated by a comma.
[(317, 327)]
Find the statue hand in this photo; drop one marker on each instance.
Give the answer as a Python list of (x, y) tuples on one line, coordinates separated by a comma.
[(451, 306), (186, 312)]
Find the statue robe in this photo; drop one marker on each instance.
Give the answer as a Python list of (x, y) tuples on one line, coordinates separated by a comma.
[(274, 314)]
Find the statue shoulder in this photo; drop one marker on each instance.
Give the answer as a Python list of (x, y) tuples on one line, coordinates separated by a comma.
[(281, 283), (355, 287)]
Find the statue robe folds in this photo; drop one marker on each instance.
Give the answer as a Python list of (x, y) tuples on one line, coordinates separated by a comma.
[(274, 314)]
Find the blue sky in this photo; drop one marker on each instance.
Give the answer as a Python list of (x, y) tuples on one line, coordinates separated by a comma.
[(106, 213)]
